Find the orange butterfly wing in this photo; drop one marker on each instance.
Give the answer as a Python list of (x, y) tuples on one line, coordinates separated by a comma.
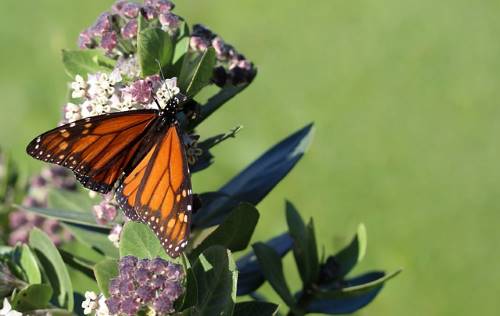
[(97, 149), (158, 190)]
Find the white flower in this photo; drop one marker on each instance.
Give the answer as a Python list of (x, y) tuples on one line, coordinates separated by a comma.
[(96, 106), (114, 235), (126, 103), (72, 112), (103, 308), (167, 90), (7, 309), (90, 304), (102, 84), (79, 87)]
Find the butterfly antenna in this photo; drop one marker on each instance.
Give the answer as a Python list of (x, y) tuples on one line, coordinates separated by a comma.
[(161, 71)]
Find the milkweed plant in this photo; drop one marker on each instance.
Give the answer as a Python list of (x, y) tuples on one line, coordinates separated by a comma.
[(67, 250)]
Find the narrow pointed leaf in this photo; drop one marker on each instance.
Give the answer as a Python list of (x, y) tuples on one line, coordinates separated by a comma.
[(272, 268), (353, 253), (258, 179), (64, 215), (354, 299), (304, 248), (250, 276)]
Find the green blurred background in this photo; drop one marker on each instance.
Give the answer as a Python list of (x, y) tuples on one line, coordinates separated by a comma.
[(405, 97)]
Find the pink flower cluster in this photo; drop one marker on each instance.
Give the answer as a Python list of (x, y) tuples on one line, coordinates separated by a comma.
[(115, 31)]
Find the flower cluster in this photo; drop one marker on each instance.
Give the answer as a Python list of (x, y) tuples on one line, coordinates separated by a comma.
[(232, 67), (21, 222), (145, 284), (116, 31), (102, 93)]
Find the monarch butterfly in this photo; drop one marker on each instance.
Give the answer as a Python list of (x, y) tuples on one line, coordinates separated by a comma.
[(140, 152)]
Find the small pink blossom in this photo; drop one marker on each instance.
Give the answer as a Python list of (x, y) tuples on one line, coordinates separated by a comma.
[(109, 41), (129, 30)]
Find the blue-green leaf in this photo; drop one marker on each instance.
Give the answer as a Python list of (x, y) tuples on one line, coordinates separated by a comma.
[(353, 253), (359, 292), (304, 248), (53, 267), (272, 268), (258, 179), (250, 276), (216, 278)]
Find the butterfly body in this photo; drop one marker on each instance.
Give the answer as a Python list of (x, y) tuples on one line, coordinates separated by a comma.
[(139, 153)]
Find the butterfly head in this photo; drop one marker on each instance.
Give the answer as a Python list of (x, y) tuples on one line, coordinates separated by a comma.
[(169, 99)]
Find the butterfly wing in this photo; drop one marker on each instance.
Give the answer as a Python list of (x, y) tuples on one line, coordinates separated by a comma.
[(158, 190), (97, 149)]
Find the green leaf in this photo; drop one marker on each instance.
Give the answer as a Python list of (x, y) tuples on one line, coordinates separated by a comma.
[(197, 70), (352, 253), (235, 232), (105, 271), (216, 276), (30, 265), (82, 281), (153, 46), (191, 294), (53, 267), (81, 252), (64, 215), (356, 290), (94, 239), (138, 240), (181, 47), (272, 268), (81, 62), (255, 308), (71, 201), (34, 296), (304, 247)]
